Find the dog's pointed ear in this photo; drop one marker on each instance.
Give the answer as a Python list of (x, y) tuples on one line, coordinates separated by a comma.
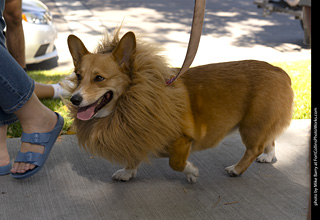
[(77, 49), (124, 50)]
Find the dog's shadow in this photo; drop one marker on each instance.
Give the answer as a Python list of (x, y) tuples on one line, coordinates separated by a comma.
[(156, 182), (211, 163)]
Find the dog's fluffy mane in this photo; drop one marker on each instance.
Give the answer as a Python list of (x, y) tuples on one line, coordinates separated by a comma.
[(147, 117)]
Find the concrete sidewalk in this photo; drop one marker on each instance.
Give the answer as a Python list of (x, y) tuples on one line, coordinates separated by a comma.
[(74, 185)]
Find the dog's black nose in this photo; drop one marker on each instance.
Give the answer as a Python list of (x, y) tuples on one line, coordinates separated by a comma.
[(76, 99)]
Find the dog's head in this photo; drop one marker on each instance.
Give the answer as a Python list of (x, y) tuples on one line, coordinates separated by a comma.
[(101, 78)]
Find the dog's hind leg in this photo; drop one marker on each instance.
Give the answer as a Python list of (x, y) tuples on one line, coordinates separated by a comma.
[(254, 142), (249, 156), (269, 154), (178, 155)]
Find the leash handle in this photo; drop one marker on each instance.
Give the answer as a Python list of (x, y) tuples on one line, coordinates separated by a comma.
[(195, 35)]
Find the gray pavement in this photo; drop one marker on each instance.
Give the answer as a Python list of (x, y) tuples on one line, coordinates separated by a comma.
[(74, 185), (233, 30)]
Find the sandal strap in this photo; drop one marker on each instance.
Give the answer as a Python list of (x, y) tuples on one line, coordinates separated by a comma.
[(36, 138), (28, 157)]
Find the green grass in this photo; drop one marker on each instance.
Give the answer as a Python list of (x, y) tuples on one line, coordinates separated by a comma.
[(299, 72), (47, 77)]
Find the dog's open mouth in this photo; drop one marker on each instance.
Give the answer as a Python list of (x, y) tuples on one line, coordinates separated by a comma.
[(87, 112)]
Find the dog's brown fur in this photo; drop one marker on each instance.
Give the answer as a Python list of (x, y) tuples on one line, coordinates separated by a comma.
[(204, 105)]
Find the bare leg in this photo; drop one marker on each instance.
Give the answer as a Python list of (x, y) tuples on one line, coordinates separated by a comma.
[(14, 33), (4, 156), (43, 90), (33, 117), (307, 19), (16, 42), (50, 91)]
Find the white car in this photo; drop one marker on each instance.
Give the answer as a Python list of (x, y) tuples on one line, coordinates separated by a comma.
[(39, 32)]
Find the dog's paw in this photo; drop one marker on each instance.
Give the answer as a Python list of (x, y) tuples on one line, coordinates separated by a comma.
[(192, 172), (231, 170), (124, 175), (266, 157)]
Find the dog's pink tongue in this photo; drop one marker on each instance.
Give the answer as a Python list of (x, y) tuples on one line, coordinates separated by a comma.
[(86, 113)]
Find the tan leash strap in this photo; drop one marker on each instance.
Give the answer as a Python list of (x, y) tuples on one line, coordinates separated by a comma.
[(196, 30)]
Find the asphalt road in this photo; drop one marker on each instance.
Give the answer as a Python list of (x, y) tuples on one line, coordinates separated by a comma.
[(233, 30)]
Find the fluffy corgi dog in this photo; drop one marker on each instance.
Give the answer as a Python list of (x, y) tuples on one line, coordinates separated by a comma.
[(123, 110)]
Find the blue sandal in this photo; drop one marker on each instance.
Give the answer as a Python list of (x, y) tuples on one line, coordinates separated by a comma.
[(4, 170), (45, 139)]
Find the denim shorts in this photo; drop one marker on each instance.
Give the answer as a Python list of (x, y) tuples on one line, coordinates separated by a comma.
[(16, 87)]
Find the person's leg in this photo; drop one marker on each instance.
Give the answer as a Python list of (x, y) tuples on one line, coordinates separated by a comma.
[(17, 97), (43, 90), (307, 20), (5, 120), (33, 117), (16, 44), (54, 91), (14, 32), (4, 156)]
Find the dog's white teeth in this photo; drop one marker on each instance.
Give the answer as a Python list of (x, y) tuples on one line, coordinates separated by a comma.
[(100, 100)]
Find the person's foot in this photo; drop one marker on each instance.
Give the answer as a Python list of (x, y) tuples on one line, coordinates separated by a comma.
[(41, 124), (24, 167)]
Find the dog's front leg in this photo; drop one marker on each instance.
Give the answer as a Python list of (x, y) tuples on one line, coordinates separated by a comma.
[(178, 155), (126, 174)]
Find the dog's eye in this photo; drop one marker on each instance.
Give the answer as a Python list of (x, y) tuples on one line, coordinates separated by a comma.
[(98, 78)]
